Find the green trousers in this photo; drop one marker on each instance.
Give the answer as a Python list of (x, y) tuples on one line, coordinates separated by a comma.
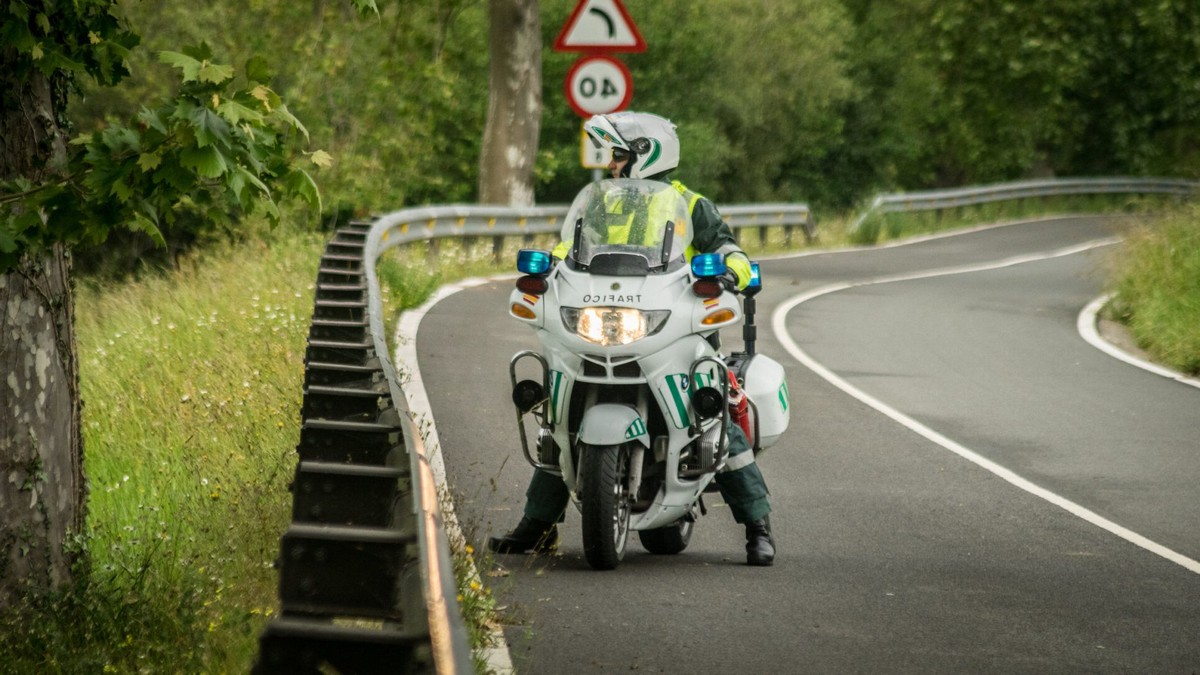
[(741, 485)]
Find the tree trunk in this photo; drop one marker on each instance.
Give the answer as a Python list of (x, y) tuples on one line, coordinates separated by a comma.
[(510, 140), (43, 494), (42, 488)]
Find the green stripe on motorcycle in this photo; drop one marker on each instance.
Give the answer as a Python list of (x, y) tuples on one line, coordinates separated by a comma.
[(555, 388), (677, 398), (783, 395), (636, 428)]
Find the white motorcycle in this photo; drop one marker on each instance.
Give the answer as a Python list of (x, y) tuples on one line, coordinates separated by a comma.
[(629, 398)]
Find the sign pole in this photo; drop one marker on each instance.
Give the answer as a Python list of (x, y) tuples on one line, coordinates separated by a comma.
[(598, 83)]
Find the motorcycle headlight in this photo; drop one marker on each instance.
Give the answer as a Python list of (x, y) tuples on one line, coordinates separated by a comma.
[(610, 326)]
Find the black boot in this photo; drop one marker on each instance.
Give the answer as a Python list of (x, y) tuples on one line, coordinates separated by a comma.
[(760, 547), (538, 535)]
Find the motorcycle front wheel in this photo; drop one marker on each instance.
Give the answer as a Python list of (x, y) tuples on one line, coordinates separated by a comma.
[(604, 483)]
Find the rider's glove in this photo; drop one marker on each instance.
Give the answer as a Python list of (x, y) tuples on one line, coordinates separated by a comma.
[(730, 280), (739, 264)]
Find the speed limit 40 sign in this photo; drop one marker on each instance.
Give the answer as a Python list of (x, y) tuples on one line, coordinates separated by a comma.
[(598, 84)]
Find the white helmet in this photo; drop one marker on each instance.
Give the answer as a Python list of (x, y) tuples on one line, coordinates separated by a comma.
[(651, 141)]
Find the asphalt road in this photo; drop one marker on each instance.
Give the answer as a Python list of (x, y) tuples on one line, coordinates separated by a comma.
[(898, 551)]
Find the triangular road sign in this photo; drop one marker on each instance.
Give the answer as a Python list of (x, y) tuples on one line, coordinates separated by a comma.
[(599, 26)]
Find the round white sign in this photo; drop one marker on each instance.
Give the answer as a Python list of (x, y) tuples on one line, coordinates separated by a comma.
[(597, 85)]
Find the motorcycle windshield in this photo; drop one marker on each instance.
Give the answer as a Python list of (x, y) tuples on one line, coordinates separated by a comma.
[(627, 227)]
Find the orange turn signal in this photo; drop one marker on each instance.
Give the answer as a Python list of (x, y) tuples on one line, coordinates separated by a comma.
[(724, 315), (521, 311)]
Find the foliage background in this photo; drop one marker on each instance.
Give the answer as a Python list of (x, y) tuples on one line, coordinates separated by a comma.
[(821, 101)]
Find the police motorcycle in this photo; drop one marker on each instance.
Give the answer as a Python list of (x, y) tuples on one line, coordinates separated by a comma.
[(628, 400)]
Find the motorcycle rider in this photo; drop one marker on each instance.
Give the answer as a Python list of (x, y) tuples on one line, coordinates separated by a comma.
[(645, 146)]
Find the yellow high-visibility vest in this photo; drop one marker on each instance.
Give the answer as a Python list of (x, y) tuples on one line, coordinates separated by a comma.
[(621, 225)]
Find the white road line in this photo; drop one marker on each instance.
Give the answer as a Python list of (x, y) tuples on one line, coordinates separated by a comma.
[(498, 657), (1086, 323), (779, 325)]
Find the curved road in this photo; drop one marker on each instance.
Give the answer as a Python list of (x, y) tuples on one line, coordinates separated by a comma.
[(967, 485)]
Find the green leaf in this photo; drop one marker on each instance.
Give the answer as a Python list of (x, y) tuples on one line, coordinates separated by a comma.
[(363, 5), (322, 159), (8, 243), (149, 161), (215, 73), (257, 70), (237, 113), (200, 52), (272, 210), (255, 181), (174, 175), (153, 120), (297, 181), (121, 191), (207, 161), (208, 127), (189, 65), (143, 224), (281, 114)]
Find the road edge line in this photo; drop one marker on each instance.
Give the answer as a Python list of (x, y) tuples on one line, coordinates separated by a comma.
[(779, 327), (498, 657), (1086, 325)]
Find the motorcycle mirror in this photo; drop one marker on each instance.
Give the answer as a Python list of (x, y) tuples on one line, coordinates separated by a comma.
[(533, 261), (708, 265)]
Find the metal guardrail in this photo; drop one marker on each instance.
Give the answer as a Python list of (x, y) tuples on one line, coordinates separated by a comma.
[(366, 580), (440, 222), (929, 200)]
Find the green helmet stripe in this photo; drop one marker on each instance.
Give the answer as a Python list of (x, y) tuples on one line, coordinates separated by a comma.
[(655, 151), (607, 136)]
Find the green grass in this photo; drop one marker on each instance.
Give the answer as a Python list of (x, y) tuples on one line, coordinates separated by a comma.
[(192, 384), (1156, 284), (192, 387)]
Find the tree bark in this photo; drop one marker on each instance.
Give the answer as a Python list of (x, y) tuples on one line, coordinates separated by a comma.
[(43, 494), (42, 488), (510, 139)]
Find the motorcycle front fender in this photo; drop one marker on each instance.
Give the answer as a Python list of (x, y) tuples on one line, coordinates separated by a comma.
[(612, 424)]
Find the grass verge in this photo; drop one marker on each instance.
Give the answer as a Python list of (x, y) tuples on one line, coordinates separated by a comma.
[(1156, 288), (192, 387)]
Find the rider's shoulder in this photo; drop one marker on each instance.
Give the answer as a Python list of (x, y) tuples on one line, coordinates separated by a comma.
[(689, 194)]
